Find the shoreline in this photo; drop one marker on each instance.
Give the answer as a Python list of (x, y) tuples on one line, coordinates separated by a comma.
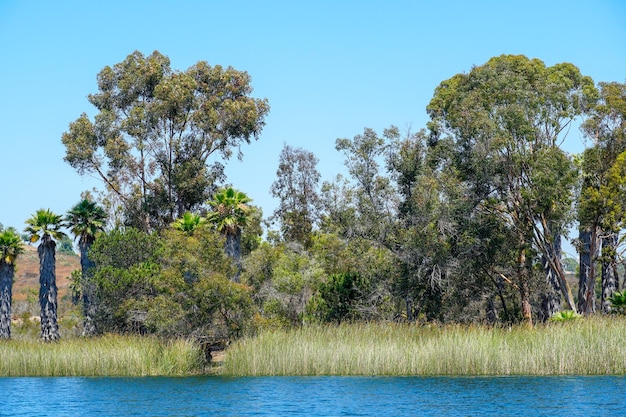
[(585, 347)]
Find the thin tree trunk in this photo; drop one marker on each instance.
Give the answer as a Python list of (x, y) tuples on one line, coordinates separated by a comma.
[(48, 290), (88, 290), (7, 272), (587, 279), (491, 313), (233, 249), (524, 286), (609, 270), (549, 242), (500, 288), (552, 299), (409, 307)]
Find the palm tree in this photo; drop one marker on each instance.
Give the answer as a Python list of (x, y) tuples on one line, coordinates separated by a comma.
[(188, 222), (230, 215), (45, 226), (10, 248), (86, 219)]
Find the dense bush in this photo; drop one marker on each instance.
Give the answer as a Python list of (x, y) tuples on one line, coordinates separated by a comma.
[(173, 285)]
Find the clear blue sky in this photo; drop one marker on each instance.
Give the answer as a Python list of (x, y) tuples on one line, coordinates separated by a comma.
[(328, 69)]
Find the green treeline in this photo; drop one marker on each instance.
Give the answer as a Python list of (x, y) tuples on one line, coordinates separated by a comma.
[(459, 222)]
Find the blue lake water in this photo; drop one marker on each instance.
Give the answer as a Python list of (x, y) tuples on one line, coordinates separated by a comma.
[(313, 396)]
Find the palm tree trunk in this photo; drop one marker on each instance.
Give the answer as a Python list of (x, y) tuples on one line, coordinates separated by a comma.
[(48, 290), (7, 271), (233, 250), (88, 290)]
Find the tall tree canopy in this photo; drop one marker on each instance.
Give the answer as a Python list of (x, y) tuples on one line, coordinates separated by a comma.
[(156, 129), (506, 118), (296, 186), (370, 197), (601, 203)]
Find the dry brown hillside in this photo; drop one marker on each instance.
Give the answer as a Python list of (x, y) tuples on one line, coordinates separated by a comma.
[(27, 273)]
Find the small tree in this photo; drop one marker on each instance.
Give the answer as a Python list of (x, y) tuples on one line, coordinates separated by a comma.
[(10, 248), (86, 219), (336, 298), (188, 222), (45, 226), (231, 213)]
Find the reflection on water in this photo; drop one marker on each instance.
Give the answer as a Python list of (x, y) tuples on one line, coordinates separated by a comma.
[(312, 396)]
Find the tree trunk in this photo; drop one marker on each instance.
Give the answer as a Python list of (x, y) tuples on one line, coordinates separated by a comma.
[(409, 307), (552, 299), (233, 250), (500, 288), (549, 242), (523, 274), (491, 313), (7, 272), (88, 290), (609, 270), (587, 279), (48, 290)]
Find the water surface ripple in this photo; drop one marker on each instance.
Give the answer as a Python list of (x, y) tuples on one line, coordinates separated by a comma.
[(313, 396)]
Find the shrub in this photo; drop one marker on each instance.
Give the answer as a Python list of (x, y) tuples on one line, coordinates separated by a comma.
[(565, 315), (618, 302)]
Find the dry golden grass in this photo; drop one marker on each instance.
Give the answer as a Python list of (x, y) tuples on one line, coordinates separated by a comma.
[(27, 272), (594, 346), (109, 355)]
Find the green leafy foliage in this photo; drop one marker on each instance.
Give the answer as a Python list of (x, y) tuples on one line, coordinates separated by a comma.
[(66, 246), (565, 316), (188, 222), (172, 285), (442, 224), (155, 131), (296, 187), (618, 302), (336, 297), (506, 118), (44, 225), (11, 247)]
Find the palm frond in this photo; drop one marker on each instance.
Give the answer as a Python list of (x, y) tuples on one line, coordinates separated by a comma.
[(44, 223), (10, 246)]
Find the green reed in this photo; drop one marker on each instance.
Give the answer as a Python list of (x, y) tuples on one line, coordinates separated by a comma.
[(108, 355), (592, 346)]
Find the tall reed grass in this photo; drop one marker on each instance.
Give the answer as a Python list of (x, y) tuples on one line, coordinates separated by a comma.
[(593, 346), (108, 355)]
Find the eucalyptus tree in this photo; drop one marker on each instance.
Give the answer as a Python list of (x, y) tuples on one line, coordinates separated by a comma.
[(230, 214), (423, 227), (157, 132), (601, 205), (45, 227), (85, 220), (10, 248), (505, 119), (296, 186), (370, 193)]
